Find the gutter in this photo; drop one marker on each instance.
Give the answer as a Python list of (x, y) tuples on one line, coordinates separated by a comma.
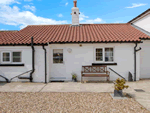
[(45, 64), (33, 59), (135, 50)]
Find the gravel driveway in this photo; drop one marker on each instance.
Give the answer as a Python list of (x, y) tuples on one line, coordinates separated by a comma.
[(66, 102)]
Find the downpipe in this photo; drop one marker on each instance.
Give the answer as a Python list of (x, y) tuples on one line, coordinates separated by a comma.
[(45, 64), (33, 60), (135, 50)]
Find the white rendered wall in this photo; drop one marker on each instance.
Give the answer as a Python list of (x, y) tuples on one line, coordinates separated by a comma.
[(145, 59), (143, 23), (123, 56), (39, 74)]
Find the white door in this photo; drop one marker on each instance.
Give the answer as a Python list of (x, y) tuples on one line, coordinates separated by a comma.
[(58, 67)]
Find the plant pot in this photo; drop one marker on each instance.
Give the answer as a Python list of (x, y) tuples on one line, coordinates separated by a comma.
[(118, 93), (74, 80)]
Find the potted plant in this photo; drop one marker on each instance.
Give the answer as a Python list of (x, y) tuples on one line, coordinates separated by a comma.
[(74, 77), (119, 86)]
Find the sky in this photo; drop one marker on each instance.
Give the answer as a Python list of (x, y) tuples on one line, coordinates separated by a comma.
[(17, 14)]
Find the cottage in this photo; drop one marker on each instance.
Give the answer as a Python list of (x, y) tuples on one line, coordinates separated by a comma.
[(56, 51)]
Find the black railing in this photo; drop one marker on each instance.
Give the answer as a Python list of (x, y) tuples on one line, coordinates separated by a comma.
[(117, 74), (5, 78), (20, 75)]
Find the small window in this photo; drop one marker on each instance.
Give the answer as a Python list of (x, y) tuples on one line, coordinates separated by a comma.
[(58, 56), (104, 54), (99, 54), (6, 57), (108, 54), (16, 57)]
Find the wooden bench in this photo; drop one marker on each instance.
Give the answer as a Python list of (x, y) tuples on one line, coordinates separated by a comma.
[(95, 71)]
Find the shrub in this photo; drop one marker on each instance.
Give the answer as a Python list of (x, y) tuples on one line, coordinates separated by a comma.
[(120, 84)]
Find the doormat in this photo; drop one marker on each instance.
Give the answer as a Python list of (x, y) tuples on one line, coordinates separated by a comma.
[(139, 90), (56, 81)]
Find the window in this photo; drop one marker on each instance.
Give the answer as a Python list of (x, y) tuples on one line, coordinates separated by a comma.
[(16, 56), (6, 57), (104, 54), (99, 54), (11, 57), (108, 54), (58, 56)]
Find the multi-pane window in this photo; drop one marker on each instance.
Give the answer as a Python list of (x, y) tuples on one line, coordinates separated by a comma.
[(99, 54), (6, 56), (108, 54), (104, 54), (58, 56), (16, 57), (11, 57)]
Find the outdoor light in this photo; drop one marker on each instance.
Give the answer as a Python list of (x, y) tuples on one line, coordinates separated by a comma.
[(69, 50), (80, 45)]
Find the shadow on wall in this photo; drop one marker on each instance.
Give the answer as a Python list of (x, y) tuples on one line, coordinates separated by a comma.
[(12, 73), (2, 79)]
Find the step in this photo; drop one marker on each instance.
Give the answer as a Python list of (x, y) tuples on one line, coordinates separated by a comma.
[(24, 77), (57, 79)]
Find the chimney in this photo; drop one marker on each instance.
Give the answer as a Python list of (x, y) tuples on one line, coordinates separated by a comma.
[(75, 14), (75, 3)]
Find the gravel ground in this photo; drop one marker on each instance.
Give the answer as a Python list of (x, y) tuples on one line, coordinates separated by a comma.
[(66, 103)]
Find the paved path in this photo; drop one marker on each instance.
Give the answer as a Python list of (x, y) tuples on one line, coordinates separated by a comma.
[(21, 87), (142, 97)]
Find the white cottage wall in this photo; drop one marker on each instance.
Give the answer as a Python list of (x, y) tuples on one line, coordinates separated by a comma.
[(123, 56), (143, 23), (145, 59), (39, 74)]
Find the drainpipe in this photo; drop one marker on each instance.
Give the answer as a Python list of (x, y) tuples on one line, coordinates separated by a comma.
[(33, 68), (45, 65), (135, 60)]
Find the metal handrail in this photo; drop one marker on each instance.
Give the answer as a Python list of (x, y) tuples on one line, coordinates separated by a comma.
[(117, 73), (20, 74), (5, 78)]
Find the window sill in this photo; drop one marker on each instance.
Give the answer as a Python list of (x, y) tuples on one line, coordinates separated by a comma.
[(12, 65), (93, 64)]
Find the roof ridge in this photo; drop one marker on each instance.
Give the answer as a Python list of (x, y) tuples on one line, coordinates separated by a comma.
[(49, 25), (80, 24)]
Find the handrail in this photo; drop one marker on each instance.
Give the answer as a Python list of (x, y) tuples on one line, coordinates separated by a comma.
[(20, 74), (117, 74), (5, 78)]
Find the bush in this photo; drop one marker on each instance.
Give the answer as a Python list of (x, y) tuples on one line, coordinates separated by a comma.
[(120, 84)]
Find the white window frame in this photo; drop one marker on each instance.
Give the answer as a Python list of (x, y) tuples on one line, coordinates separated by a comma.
[(11, 57), (104, 55), (52, 57), (5, 62)]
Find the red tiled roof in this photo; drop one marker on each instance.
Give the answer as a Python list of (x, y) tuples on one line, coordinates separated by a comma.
[(65, 33)]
